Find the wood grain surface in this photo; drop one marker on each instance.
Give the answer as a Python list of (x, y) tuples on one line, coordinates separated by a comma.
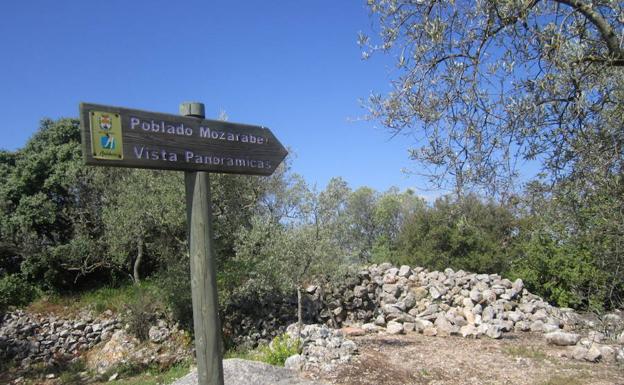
[(155, 140)]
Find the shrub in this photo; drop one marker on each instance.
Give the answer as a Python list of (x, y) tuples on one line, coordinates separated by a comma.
[(279, 350), (141, 313), (15, 291), (175, 284)]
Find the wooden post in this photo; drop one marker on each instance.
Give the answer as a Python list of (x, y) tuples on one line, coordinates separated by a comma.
[(203, 269)]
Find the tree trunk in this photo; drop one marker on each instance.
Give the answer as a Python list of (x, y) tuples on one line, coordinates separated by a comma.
[(137, 262), (299, 309)]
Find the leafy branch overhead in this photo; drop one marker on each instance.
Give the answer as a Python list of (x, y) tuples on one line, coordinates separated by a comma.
[(489, 87)]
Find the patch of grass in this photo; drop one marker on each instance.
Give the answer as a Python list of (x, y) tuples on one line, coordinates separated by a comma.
[(98, 300), (279, 350), (561, 380), (526, 352), (275, 353), (243, 354), (71, 373), (153, 376)]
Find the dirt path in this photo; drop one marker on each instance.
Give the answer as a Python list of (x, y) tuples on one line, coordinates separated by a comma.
[(515, 360)]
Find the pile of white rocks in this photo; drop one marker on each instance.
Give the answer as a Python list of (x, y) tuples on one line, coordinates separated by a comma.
[(322, 348), (32, 338), (466, 304)]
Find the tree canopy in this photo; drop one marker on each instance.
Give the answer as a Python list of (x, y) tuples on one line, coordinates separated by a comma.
[(486, 86)]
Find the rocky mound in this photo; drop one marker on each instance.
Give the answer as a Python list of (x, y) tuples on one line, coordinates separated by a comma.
[(243, 372), (399, 300)]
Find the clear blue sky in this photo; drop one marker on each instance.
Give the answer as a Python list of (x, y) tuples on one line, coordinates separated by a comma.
[(293, 66)]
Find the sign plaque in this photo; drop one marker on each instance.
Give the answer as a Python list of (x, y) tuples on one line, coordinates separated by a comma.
[(122, 137)]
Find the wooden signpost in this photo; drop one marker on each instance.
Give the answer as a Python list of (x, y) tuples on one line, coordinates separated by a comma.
[(121, 137)]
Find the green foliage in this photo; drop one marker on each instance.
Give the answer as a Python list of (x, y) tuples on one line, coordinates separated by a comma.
[(572, 252), (468, 234), (175, 285), (279, 350), (144, 216), (142, 311), (563, 275), (68, 227), (50, 209), (70, 373), (274, 353), (15, 291)]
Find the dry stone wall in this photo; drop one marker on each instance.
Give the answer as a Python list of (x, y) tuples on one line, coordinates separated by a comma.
[(30, 338), (379, 298)]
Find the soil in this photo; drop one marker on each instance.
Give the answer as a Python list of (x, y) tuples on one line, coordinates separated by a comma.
[(517, 359)]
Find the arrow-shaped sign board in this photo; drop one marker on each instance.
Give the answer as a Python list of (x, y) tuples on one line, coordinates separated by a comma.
[(115, 136)]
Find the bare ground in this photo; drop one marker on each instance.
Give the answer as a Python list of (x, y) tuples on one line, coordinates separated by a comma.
[(517, 359)]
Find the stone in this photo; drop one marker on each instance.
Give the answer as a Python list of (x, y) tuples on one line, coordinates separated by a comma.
[(579, 353), (550, 328), (409, 301), (489, 296), (527, 308), (392, 289), (420, 325), (351, 331), (435, 292), (607, 353), (430, 332), (537, 326), (515, 316), (468, 331), (459, 321), (619, 355), (390, 309), (494, 331), (620, 338), (488, 314), (360, 291), (420, 293), (370, 328), (158, 335), (470, 317), (539, 315), (595, 336), (593, 354), (405, 271), (112, 353), (522, 326), (409, 326), (394, 328), (562, 338), (295, 362), (380, 320), (517, 285), (443, 326), (339, 311)]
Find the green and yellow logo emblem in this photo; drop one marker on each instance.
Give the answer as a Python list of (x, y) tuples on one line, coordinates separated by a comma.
[(106, 135)]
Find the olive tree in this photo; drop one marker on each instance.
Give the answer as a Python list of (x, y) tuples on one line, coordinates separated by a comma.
[(487, 85)]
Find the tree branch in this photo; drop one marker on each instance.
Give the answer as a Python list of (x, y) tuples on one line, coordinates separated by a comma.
[(605, 29)]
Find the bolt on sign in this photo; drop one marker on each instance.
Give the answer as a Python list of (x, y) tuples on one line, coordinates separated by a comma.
[(122, 137)]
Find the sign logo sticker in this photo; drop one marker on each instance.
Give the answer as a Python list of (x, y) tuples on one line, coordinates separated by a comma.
[(106, 140)]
